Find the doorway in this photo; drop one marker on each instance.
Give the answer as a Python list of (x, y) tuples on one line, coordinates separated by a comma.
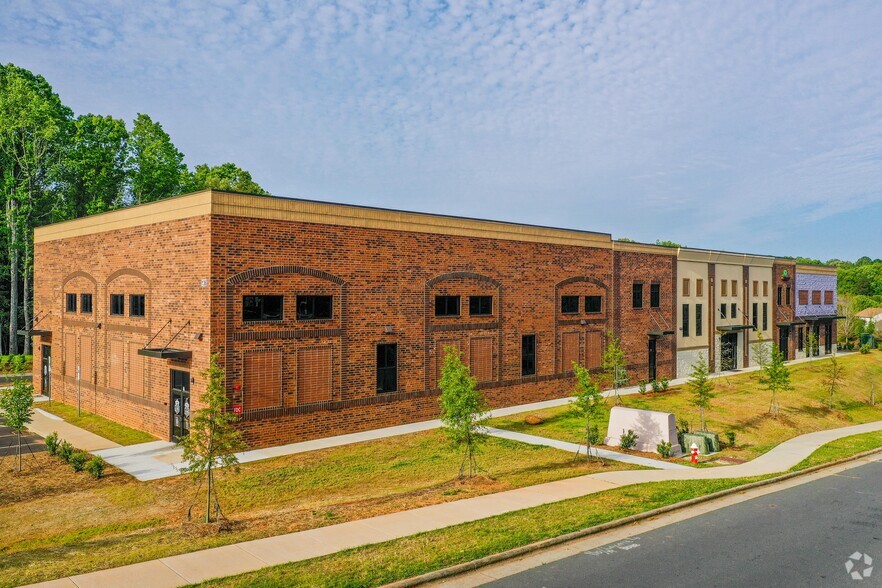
[(817, 331), (180, 405), (46, 371), (729, 352), (828, 338), (652, 360), (784, 343)]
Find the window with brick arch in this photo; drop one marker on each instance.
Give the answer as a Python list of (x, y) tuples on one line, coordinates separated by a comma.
[(314, 374), (481, 358), (569, 343), (262, 379)]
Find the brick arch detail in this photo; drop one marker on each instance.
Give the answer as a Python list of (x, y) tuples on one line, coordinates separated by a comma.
[(466, 275), (129, 272), (78, 274), (608, 304), (272, 270)]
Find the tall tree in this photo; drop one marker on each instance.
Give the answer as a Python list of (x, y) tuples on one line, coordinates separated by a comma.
[(776, 378), (33, 126), (93, 172), (227, 176), (702, 388), (213, 440), (463, 409), (157, 167)]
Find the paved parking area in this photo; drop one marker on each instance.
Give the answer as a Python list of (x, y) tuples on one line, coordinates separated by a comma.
[(9, 442)]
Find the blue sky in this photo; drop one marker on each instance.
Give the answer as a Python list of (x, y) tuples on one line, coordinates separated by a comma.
[(747, 126)]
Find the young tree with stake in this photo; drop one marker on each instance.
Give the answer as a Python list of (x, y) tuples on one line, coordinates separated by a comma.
[(702, 388), (833, 378), (213, 440), (17, 409), (587, 404), (463, 409), (776, 378), (613, 363)]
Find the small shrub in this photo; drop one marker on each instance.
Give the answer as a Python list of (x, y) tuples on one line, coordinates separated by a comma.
[(730, 438), (594, 436), (95, 467), (4, 363), (656, 386), (65, 450), (628, 440), (51, 442), (865, 348), (879, 345), (664, 448), (17, 363), (682, 425), (665, 383), (78, 460), (641, 387)]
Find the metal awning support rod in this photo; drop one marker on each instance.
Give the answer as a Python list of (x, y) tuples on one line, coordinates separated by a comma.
[(667, 327), (37, 318), (146, 345), (176, 334)]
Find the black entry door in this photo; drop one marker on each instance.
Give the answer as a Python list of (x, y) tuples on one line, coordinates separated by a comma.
[(729, 352), (46, 380), (784, 342), (180, 404), (652, 360), (817, 331), (828, 338)]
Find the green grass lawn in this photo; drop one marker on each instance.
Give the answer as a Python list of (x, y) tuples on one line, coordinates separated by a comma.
[(841, 448), (375, 565), (55, 523), (742, 406), (97, 424)]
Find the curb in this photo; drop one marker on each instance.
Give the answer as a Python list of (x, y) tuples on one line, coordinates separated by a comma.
[(553, 541)]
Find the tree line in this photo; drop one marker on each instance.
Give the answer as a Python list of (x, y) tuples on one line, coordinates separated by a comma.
[(56, 166)]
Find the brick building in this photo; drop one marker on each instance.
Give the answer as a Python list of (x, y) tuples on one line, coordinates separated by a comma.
[(331, 318)]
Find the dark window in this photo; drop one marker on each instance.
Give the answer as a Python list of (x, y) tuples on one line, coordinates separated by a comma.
[(593, 303), (117, 304), (528, 355), (262, 308), (314, 307), (685, 320), (723, 310), (654, 295), (780, 295), (86, 303), (387, 367), (765, 316), (698, 318), (446, 305), (755, 315), (70, 304), (637, 295), (787, 298), (569, 304), (480, 305), (137, 305), (733, 308), (799, 338), (816, 297)]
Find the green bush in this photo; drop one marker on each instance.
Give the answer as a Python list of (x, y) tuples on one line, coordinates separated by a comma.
[(879, 345), (594, 436), (730, 438), (641, 386), (51, 442), (664, 448), (65, 450), (656, 386), (4, 363), (865, 348), (95, 467), (78, 460), (628, 440), (682, 426), (665, 383), (17, 363)]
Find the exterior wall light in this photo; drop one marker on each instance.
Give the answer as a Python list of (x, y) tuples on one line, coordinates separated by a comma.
[(389, 329)]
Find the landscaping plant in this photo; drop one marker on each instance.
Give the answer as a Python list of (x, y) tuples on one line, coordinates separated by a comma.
[(730, 438), (213, 440), (614, 364), (51, 442), (588, 403), (464, 411), (65, 450), (95, 467), (865, 348), (641, 387), (628, 440), (656, 386), (702, 388), (665, 384), (776, 378), (78, 460), (760, 352), (17, 409), (833, 378), (664, 448)]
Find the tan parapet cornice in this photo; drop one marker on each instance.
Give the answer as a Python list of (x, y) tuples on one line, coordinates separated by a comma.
[(289, 209), (823, 270), (632, 247), (724, 257)]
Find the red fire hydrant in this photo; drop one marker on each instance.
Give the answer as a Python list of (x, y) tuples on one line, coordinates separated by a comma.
[(695, 452)]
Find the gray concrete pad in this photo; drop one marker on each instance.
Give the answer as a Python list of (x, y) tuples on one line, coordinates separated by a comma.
[(149, 574), (213, 563)]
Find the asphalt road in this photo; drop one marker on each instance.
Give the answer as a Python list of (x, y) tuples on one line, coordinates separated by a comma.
[(9, 442), (801, 537)]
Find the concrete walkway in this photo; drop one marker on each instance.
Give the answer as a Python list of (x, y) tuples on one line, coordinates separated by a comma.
[(45, 423), (162, 459), (595, 451), (238, 558)]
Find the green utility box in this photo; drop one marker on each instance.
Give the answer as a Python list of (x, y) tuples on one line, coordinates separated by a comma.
[(866, 338), (707, 442)]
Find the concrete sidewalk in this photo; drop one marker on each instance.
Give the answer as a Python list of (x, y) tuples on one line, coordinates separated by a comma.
[(162, 459), (238, 558), (45, 423)]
